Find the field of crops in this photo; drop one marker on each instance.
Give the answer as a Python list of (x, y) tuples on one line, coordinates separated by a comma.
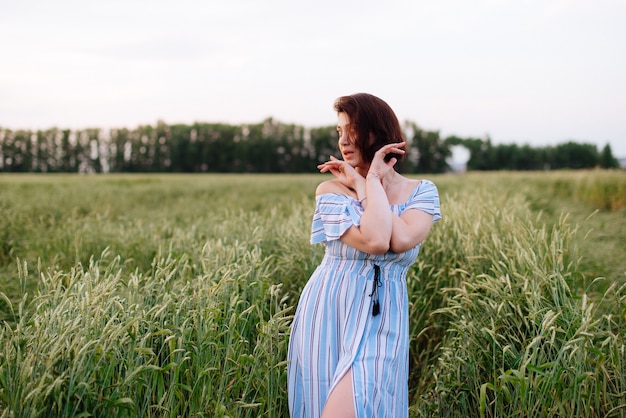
[(171, 295)]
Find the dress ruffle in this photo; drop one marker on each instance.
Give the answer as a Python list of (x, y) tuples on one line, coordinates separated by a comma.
[(425, 197), (334, 215)]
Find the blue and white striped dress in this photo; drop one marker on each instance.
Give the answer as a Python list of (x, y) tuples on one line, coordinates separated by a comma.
[(334, 328)]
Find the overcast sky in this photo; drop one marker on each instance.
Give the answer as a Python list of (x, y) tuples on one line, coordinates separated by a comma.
[(521, 71)]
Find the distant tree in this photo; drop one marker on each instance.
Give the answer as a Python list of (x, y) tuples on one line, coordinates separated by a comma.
[(324, 142), (529, 158), (481, 154), (575, 155), (10, 151), (119, 155), (453, 141), (505, 157), (261, 147), (181, 152), (432, 151), (21, 151), (275, 147), (41, 152), (216, 147), (161, 142), (607, 160), (66, 163), (94, 150), (269, 146), (514, 157)]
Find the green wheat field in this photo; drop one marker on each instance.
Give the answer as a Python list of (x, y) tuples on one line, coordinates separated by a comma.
[(172, 295)]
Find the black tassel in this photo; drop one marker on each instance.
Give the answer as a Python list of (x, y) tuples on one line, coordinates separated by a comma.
[(375, 308), (374, 294)]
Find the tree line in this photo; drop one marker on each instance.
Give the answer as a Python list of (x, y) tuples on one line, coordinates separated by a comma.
[(266, 147)]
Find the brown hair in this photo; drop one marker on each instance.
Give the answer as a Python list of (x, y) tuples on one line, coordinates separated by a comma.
[(372, 123)]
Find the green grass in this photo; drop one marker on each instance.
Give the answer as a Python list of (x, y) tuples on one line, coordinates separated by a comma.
[(171, 295)]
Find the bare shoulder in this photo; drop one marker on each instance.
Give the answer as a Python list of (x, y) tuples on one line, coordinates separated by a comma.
[(332, 186)]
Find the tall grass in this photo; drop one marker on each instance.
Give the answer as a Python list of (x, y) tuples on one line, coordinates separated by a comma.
[(167, 296), (190, 320), (518, 341), (602, 189), (161, 343)]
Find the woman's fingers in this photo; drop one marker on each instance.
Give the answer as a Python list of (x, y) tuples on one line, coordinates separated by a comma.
[(396, 148), (334, 166), (380, 165)]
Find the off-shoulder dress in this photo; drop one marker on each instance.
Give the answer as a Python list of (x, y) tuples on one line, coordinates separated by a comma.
[(336, 325)]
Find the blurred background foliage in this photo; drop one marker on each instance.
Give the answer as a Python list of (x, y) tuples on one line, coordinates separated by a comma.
[(266, 147)]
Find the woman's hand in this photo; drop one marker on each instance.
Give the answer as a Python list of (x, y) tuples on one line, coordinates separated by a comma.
[(343, 171), (379, 166)]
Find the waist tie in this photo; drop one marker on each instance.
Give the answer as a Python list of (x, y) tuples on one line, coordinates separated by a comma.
[(377, 283)]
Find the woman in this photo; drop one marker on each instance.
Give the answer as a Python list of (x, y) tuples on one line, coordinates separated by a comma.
[(348, 351)]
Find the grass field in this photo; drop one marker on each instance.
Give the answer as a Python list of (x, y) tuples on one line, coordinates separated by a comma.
[(171, 295)]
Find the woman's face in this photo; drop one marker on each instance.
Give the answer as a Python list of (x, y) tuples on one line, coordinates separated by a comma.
[(349, 152)]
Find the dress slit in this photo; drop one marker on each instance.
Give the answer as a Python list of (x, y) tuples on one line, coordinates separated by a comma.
[(351, 386)]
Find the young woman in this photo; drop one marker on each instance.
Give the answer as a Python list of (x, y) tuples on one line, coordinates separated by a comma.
[(349, 345)]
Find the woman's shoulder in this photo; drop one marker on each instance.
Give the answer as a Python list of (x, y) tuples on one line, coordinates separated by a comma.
[(332, 186)]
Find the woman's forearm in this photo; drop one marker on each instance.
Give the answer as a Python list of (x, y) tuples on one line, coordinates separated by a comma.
[(376, 222)]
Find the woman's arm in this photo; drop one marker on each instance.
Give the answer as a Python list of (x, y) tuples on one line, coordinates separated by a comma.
[(374, 234), (409, 229)]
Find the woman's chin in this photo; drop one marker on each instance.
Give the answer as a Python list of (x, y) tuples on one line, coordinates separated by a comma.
[(350, 160)]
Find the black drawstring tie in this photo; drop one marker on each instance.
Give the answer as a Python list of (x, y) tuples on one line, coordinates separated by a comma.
[(374, 294)]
